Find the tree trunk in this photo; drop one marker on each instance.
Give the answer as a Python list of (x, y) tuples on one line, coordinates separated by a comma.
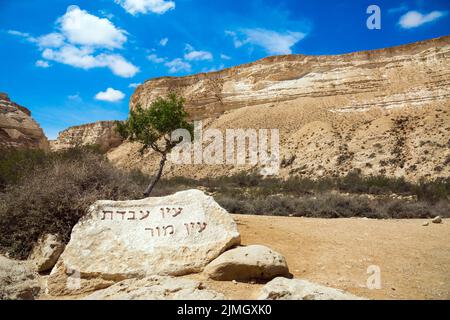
[(157, 177)]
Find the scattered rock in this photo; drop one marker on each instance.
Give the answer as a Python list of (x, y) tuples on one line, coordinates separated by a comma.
[(173, 235), (46, 252), (295, 289), (425, 224), (437, 219), (18, 280), (156, 288), (247, 263)]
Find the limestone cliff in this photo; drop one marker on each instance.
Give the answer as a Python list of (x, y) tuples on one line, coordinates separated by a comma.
[(380, 112), (17, 128), (101, 134)]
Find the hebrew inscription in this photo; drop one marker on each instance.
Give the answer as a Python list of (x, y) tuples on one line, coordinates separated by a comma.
[(157, 221)]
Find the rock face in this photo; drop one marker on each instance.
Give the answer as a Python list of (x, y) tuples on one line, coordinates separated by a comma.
[(156, 288), (379, 112), (46, 252), (294, 289), (253, 262), (17, 128), (286, 78), (173, 235), (18, 280), (101, 134)]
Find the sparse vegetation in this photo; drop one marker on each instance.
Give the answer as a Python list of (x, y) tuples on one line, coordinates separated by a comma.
[(48, 193), (153, 126)]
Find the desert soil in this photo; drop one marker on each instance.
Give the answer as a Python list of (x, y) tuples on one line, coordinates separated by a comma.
[(414, 260)]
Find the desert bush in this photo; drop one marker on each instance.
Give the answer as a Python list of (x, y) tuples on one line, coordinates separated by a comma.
[(332, 205), (55, 192)]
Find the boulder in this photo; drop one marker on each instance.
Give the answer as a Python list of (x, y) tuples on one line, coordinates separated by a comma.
[(18, 280), (46, 252), (156, 288), (173, 235), (295, 289), (437, 219), (253, 262)]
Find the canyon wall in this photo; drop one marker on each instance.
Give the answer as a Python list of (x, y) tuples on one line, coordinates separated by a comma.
[(413, 75), (377, 112), (101, 134), (17, 128)]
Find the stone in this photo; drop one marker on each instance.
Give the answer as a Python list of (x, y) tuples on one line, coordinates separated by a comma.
[(46, 252), (437, 219), (18, 280), (101, 134), (174, 235), (296, 289), (254, 262), (425, 224), (156, 288), (17, 128)]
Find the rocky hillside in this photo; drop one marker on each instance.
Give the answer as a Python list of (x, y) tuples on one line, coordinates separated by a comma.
[(381, 112), (17, 128), (100, 133)]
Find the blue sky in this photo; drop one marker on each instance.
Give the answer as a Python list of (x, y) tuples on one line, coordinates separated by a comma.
[(73, 62)]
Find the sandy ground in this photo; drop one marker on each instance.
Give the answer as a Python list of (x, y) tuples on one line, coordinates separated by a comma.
[(414, 260)]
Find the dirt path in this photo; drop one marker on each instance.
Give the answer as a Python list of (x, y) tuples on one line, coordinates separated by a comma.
[(414, 260)]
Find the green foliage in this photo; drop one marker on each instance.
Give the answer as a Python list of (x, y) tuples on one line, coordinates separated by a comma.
[(157, 122)]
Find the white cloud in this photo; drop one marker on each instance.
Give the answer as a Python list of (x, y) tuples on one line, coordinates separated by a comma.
[(271, 41), (85, 59), (118, 65), (178, 65), (193, 55), (83, 28), (144, 6), (413, 19), (154, 58), (134, 85), (225, 57), (51, 40), (42, 64), (75, 97), (403, 7), (83, 41), (163, 42), (110, 95)]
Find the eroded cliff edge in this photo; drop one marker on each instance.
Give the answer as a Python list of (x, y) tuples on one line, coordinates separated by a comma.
[(17, 128), (379, 112)]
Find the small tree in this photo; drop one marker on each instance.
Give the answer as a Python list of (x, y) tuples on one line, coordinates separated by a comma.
[(153, 126)]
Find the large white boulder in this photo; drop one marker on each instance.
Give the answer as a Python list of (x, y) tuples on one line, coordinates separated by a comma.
[(253, 262), (117, 240), (296, 289), (156, 288)]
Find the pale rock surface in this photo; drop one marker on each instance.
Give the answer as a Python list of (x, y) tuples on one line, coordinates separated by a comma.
[(295, 289), (254, 262), (46, 252), (381, 112), (17, 128), (437, 219), (102, 134), (156, 288), (18, 280), (173, 235)]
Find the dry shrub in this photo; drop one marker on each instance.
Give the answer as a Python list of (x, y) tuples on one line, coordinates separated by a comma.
[(53, 196)]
